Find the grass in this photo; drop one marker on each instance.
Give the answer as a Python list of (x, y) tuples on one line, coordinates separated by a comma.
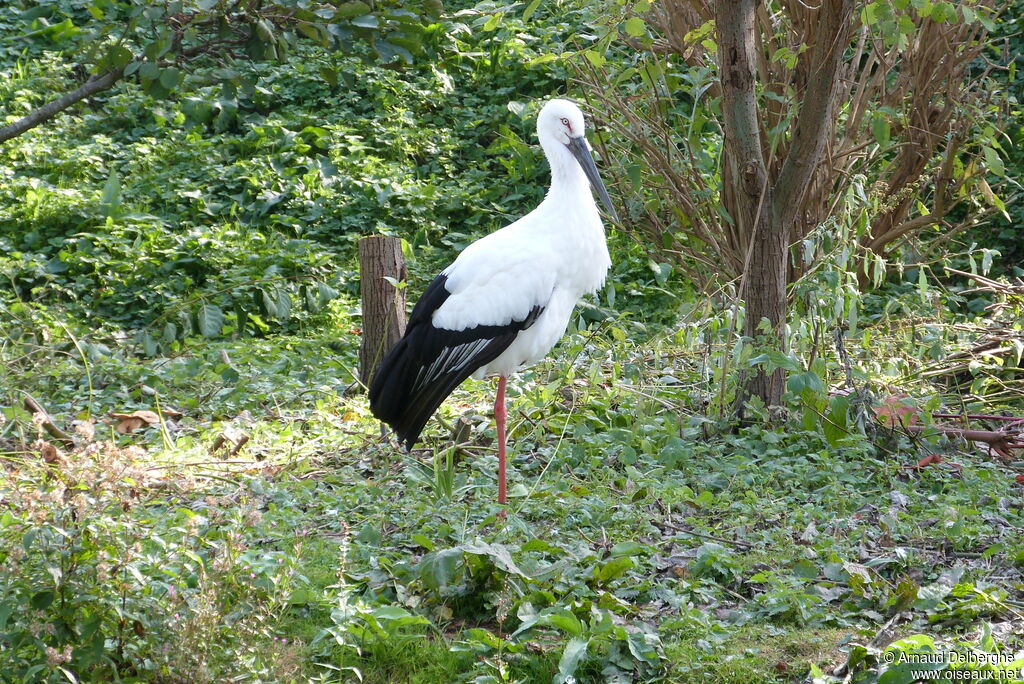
[(316, 549), (754, 654)]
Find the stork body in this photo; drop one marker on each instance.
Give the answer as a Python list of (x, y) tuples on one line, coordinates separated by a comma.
[(508, 297)]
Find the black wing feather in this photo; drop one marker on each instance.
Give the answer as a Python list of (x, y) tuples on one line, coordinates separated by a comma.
[(428, 363)]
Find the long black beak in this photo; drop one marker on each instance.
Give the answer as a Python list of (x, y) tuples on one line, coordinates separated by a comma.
[(580, 150)]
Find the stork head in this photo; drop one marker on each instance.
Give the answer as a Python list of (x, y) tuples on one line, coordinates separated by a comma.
[(560, 124)]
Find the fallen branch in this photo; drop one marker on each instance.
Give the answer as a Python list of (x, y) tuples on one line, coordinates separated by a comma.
[(45, 421), (701, 535), (1000, 443)]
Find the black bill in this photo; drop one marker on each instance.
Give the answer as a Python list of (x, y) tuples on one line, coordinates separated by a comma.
[(580, 150)]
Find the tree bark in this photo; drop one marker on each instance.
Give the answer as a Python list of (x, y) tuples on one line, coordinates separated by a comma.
[(94, 85), (747, 196), (380, 257)]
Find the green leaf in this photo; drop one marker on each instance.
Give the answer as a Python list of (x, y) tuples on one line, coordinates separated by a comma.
[(617, 567), (438, 570), (494, 21), (351, 9), (880, 128), (595, 58), (210, 319), (367, 21), (390, 612), (169, 77), (284, 305), (264, 30), (117, 57), (574, 652), (530, 9), (993, 161), (635, 26), (869, 15), (542, 59), (111, 195), (628, 548), (267, 304), (326, 293), (41, 600), (148, 344), (837, 425), (563, 619), (149, 71)]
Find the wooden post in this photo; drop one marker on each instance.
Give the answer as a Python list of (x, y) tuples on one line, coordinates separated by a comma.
[(380, 257)]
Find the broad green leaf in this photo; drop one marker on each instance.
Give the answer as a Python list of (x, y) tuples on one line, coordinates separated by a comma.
[(615, 568), (595, 58), (169, 77), (149, 71), (542, 59), (347, 10), (210, 319), (368, 21), (994, 162), (111, 195), (635, 26), (880, 129), (284, 304), (574, 652), (494, 21), (629, 548), (836, 427)]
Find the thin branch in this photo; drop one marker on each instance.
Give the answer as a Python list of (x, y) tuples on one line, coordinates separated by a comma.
[(816, 109)]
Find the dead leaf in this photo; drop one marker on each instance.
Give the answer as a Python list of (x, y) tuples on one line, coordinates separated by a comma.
[(809, 533), (930, 459), (85, 429), (129, 422), (895, 412)]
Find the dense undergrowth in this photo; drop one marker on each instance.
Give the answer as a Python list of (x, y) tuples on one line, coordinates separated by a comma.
[(194, 260)]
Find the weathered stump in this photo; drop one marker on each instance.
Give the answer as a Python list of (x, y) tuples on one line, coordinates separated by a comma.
[(380, 258)]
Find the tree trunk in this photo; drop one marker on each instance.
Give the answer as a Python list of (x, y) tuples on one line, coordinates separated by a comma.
[(747, 195), (380, 257), (765, 299), (764, 211)]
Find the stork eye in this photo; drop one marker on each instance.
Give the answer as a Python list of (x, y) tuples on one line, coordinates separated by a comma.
[(565, 122)]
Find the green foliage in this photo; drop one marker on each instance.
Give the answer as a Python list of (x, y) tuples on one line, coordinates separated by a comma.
[(196, 253), (159, 44)]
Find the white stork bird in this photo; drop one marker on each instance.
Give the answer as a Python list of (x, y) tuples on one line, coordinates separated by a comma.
[(507, 299)]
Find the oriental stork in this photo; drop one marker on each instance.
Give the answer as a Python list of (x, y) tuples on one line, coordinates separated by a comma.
[(508, 297)]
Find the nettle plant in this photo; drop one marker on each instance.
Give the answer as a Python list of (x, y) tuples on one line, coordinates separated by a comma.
[(111, 569)]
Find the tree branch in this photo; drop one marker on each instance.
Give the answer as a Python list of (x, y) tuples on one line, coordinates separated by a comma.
[(735, 22), (816, 109), (51, 109)]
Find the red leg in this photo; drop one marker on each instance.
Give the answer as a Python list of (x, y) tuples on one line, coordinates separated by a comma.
[(499, 417)]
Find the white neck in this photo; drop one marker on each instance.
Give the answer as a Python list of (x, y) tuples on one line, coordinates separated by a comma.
[(567, 177)]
